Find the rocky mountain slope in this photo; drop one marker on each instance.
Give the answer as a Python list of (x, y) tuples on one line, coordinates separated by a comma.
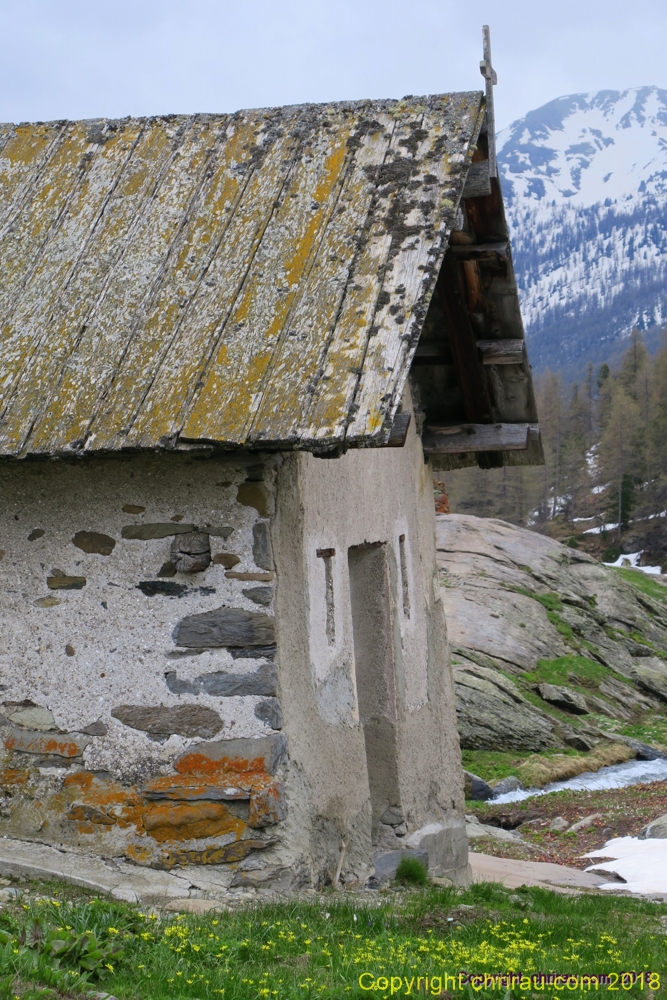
[(585, 184), (549, 647)]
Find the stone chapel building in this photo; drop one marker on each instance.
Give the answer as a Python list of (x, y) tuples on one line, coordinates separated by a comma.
[(233, 348)]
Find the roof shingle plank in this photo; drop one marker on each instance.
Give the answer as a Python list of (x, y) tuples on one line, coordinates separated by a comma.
[(233, 387), (92, 320), (255, 161), (419, 221), (297, 366)]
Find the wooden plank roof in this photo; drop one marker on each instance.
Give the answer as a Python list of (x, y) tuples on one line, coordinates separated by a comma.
[(258, 279)]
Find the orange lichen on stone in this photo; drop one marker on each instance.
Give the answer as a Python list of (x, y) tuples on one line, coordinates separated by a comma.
[(190, 787), (180, 821), (268, 805), (139, 854), (214, 855), (42, 744), (198, 763), (13, 776)]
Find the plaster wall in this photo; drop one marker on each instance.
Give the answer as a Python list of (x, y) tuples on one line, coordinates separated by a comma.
[(328, 506)]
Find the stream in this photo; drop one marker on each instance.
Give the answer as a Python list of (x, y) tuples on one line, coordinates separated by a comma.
[(634, 772)]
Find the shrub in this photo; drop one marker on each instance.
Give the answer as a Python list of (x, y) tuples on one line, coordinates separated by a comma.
[(411, 871)]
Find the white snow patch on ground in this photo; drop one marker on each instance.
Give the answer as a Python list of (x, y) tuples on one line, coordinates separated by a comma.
[(642, 863), (630, 561), (601, 528)]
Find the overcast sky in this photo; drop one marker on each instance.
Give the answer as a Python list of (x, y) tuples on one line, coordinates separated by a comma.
[(111, 58)]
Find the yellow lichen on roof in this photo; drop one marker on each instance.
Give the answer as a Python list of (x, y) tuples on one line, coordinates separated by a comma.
[(249, 279)]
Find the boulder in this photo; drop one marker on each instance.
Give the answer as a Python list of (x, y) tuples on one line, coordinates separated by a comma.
[(475, 829), (657, 830), (492, 714), (476, 789), (651, 676), (505, 785), (563, 697)]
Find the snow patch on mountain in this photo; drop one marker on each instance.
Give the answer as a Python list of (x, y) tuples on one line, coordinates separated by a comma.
[(585, 185)]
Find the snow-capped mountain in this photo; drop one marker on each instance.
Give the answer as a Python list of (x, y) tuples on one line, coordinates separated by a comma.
[(585, 185)]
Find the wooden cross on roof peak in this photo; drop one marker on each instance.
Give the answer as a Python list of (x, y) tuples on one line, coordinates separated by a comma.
[(491, 77)]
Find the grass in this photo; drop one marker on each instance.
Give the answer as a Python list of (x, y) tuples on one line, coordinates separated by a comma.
[(321, 949), (411, 871), (644, 583), (492, 765), (653, 731), (558, 670)]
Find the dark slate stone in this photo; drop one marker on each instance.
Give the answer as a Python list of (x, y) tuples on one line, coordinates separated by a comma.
[(261, 549), (160, 721), (260, 595), (35, 534), (144, 532), (254, 652), (96, 729), (133, 508), (225, 627), (93, 541), (167, 569), (269, 711), (66, 582), (168, 589), (223, 532), (263, 681)]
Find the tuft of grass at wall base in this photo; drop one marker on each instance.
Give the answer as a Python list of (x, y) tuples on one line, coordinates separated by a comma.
[(411, 871)]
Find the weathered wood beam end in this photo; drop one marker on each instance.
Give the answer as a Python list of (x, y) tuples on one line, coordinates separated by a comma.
[(498, 250), (461, 438), (502, 352), (399, 430)]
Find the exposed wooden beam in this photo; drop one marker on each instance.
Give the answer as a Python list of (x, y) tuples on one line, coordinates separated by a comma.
[(481, 251), (471, 377), (478, 181), (502, 352), (460, 438), (470, 374), (399, 430)]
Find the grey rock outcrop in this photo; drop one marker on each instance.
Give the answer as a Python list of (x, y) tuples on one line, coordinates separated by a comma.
[(512, 598), (492, 712), (651, 676), (563, 697)]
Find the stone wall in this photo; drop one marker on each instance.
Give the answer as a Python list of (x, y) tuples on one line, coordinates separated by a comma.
[(137, 663), (182, 657)]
